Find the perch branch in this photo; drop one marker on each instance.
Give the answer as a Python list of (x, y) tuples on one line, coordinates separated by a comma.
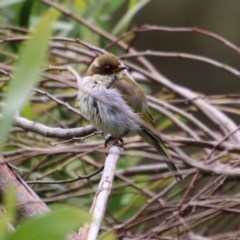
[(90, 232)]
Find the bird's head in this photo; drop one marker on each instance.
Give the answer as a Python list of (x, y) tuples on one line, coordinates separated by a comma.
[(105, 64)]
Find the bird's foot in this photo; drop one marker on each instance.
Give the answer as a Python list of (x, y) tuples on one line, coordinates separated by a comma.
[(110, 141)]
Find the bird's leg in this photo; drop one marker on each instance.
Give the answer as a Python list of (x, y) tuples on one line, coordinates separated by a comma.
[(110, 141), (120, 142)]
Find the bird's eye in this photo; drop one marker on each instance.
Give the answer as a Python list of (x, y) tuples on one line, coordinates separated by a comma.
[(107, 69)]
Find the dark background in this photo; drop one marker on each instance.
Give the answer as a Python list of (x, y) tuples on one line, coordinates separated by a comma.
[(219, 16)]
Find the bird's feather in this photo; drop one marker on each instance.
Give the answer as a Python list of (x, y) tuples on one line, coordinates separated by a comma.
[(136, 99), (160, 147)]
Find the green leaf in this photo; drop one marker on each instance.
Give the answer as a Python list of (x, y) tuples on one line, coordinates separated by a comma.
[(7, 216), (25, 13), (108, 236), (134, 7), (54, 225), (80, 6), (10, 203), (32, 57), (7, 3), (115, 5), (27, 111)]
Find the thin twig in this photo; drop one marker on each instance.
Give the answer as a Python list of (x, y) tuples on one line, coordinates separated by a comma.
[(69, 180)]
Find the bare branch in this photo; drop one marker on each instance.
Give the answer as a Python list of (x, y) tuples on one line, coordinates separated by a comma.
[(56, 132), (29, 204), (101, 197)]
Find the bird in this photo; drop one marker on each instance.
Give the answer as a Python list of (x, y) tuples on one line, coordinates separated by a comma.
[(115, 104)]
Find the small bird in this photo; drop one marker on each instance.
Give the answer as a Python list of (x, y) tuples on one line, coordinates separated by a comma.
[(113, 101)]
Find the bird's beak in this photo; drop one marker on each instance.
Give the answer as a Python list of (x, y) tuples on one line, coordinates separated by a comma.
[(119, 68)]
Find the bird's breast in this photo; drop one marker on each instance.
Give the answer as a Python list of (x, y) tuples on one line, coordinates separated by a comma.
[(106, 109)]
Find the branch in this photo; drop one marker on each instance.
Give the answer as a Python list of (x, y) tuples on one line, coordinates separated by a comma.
[(53, 131), (29, 204), (213, 168), (224, 41), (189, 56), (99, 204)]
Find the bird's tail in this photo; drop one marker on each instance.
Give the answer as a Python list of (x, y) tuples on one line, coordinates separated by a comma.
[(160, 147)]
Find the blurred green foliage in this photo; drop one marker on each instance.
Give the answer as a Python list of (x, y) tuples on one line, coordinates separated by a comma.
[(36, 20)]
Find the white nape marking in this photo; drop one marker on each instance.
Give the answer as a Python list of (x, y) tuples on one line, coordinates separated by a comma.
[(96, 63)]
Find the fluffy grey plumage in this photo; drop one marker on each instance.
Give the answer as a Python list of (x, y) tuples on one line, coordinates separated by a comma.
[(95, 100)]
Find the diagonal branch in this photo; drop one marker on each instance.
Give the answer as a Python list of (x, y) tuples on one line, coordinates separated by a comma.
[(99, 204)]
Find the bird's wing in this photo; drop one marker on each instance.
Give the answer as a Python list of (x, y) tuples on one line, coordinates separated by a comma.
[(136, 99), (160, 146), (132, 94)]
